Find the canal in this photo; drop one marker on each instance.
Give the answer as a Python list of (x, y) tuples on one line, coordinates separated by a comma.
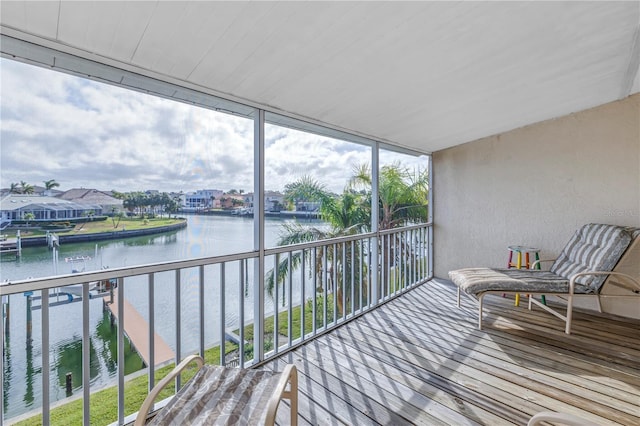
[(204, 236)]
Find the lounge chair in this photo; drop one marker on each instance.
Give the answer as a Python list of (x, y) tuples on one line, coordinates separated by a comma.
[(221, 395), (596, 255)]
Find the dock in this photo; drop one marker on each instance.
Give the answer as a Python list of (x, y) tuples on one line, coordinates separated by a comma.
[(11, 245), (136, 328)]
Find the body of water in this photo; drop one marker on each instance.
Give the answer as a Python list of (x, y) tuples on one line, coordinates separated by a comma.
[(204, 236)]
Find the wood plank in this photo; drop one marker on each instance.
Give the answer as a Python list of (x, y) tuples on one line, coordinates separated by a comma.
[(529, 350), (577, 396), (412, 406), (537, 366), (328, 392), (137, 329), (420, 359), (540, 339)]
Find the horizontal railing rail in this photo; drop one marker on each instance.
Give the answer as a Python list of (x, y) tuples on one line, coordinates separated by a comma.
[(205, 305)]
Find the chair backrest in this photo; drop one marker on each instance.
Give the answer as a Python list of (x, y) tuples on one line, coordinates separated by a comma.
[(629, 264), (594, 247)]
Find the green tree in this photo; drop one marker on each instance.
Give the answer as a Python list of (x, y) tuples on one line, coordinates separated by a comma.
[(172, 206), (402, 200), (50, 184), (116, 217), (28, 217), (26, 188), (15, 188), (345, 216), (402, 194)]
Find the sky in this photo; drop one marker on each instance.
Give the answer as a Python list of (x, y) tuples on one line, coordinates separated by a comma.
[(85, 134)]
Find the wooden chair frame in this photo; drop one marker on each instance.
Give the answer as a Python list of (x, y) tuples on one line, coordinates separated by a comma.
[(288, 376)]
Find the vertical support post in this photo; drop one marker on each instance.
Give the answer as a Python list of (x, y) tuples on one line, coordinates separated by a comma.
[(375, 220), (201, 307), (325, 286), (334, 283), (241, 313), (314, 267), (223, 327), (45, 356), (430, 218), (120, 350), (86, 357), (290, 301), (353, 278), (303, 295), (152, 337), (178, 328), (258, 235), (362, 280), (276, 296)]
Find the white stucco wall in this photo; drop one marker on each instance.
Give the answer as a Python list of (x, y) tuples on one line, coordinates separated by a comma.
[(536, 185)]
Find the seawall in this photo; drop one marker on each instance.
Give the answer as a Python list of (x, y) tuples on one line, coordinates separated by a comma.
[(42, 241)]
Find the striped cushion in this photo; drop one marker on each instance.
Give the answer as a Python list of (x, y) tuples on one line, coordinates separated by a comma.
[(221, 396), (594, 247), (477, 280)]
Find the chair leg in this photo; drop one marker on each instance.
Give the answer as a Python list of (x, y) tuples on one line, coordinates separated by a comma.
[(458, 297), (569, 314), (480, 312), (293, 397)]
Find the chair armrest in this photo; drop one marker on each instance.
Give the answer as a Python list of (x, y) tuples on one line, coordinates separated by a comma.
[(537, 262), (290, 376), (634, 282), (561, 418), (150, 399)]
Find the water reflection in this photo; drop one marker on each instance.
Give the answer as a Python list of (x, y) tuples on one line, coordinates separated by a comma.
[(204, 236)]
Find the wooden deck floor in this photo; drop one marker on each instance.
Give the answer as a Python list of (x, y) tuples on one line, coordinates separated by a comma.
[(421, 360)]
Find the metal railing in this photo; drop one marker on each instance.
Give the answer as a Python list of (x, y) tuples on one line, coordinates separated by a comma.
[(199, 304)]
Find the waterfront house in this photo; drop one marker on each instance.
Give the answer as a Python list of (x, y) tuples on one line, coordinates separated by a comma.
[(231, 201), (273, 201), (202, 199), (528, 115), (14, 207), (108, 204)]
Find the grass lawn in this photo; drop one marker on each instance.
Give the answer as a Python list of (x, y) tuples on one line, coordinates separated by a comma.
[(104, 403), (129, 224)]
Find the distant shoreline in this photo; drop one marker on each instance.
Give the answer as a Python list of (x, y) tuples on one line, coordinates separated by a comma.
[(98, 236), (282, 214)]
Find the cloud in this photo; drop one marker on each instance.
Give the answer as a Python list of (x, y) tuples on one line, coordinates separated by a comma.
[(87, 134)]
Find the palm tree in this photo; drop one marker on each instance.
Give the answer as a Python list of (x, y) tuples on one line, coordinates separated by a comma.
[(26, 188), (402, 195), (50, 184), (402, 200), (28, 217), (345, 216), (15, 188)]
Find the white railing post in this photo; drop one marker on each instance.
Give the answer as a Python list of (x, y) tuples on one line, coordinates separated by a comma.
[(86, 357), (258, 236), (151, 336), (201, 307), (373, 248), (45, 356), (430, 218), (178, 327), (120, 303), (223, 326)]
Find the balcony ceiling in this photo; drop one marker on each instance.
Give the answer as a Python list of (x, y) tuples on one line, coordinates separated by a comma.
[(423, 75)]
